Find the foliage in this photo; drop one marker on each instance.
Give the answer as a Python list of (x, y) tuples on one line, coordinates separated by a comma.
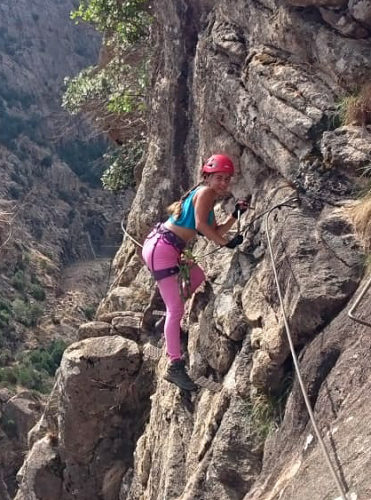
[(129, 19), (360, 216), (19, 280), (14, 97), (37, 291), (120, 174), (266, 411), (34, 368), (356, 109), (11, 126), (25, 313), (114, 95), (5, 357), (4, 318), (5, 305), (46, 161), (89, 312), (116, 89), (84, 159), (45, 359), (261, 411)]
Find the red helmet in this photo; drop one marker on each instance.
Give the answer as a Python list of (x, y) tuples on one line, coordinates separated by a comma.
[(218, 163)]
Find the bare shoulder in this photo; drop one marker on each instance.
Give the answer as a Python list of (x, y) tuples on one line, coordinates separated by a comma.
[(204, 194)]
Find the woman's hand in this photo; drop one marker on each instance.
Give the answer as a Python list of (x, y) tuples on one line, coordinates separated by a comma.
[(237, 240)]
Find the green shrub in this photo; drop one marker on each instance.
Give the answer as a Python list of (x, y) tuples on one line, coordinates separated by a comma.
[(265, 412), (34, 369), (130, 20), (5, 357), (5, 305), (4, 318), (8, 376), (45, 359), (27, 314), (46, 161), (14, 191), (37, 291), (84, 158), (120, 173), (19, 280), (89, 312)]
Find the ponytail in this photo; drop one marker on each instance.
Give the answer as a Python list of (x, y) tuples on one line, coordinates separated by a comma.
[(175, 209)]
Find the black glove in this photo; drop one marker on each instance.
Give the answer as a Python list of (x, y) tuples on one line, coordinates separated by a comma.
[(237, 240), (241, 206)]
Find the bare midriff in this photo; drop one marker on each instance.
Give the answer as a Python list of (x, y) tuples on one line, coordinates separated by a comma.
[(185, 233)]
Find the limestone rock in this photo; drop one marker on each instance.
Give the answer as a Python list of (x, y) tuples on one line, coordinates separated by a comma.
[(361, 11), (93, 329), (318, 3), (322, 291), (94, 380), (41, 476), (227, 38), (128, 326), (228, 317), (346, 147), (23, 409), (336, 375), (344, 23)]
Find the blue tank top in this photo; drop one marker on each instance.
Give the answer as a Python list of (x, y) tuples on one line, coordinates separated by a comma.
[(187, 217)]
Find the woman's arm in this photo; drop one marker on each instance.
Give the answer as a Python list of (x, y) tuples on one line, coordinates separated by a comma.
[(204, 202), (221, 229)]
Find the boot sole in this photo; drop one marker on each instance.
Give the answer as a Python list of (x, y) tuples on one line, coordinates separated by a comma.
[(183, 387)]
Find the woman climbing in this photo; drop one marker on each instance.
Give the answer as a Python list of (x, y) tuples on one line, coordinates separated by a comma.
[(192, 214)]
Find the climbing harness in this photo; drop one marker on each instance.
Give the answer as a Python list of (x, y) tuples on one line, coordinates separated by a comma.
[(161, 232), (295, 359), (187, 259), (357, 302)]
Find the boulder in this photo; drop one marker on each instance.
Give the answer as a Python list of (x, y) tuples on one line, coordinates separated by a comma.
[(93, 329)]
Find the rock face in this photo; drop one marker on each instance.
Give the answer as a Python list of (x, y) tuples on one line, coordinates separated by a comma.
[(18, 414), (89, 451), (260, 80)]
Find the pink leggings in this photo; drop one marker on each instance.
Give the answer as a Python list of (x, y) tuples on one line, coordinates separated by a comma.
[(161, 255)]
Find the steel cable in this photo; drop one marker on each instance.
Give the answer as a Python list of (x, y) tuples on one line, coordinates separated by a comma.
[(356, 303), (297, 369)]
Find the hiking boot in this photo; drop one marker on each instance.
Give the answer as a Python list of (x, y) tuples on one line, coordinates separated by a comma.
[(177, 374)]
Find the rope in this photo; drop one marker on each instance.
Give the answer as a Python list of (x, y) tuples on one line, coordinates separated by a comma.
[(356, 303), (128, 235), (297, 369), (285, 203), (244, 231)]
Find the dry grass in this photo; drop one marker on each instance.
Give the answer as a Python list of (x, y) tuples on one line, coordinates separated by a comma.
[(356, 110), (360, 216)]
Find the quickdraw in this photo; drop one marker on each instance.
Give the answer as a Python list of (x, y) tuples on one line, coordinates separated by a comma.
[(187, 259)]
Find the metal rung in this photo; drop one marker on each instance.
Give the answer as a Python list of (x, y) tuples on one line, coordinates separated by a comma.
[(159, 313), (356, 303)]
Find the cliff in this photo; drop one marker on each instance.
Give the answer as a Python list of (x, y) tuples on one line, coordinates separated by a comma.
[(264, 81), (60, 229)]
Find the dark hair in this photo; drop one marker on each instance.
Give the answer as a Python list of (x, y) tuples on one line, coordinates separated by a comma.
[(175, 209)]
